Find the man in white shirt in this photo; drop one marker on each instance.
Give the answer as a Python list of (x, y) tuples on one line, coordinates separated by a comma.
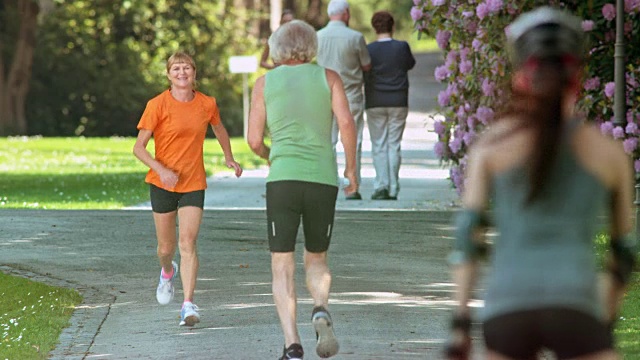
[(344, 50)]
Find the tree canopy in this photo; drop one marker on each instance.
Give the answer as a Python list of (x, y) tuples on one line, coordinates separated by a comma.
[(98, 62), (87, 67)]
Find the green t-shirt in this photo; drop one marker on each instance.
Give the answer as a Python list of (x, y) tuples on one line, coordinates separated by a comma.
[(299, 118)]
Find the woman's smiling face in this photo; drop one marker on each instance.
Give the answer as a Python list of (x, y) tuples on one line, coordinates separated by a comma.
[(182, 75)]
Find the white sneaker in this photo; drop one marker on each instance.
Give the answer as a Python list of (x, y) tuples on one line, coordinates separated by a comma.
[(164, 292), (189, 314)]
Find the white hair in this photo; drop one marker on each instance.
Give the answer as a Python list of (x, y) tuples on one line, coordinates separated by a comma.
[(337, 7), (295, 40)]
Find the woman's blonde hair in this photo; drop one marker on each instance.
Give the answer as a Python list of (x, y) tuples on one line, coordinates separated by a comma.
[(295, 40), (180, 57)]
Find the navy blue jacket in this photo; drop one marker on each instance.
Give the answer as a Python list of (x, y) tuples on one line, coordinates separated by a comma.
[(387, 83)]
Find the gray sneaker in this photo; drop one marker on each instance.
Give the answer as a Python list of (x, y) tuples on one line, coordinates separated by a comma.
[(189, 315), (164, 292), (327, 345)]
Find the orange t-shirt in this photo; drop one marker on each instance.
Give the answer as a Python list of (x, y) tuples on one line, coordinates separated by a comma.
[(179, 130)]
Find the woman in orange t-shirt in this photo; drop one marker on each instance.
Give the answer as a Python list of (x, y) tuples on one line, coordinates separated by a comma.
[(178, 119)]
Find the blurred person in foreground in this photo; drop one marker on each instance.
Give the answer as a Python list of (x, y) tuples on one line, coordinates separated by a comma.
[(295, 102), (386, 90), (549, 175), (178, 119)]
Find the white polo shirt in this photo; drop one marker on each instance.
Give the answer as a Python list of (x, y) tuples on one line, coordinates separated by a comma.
[(343, 50)]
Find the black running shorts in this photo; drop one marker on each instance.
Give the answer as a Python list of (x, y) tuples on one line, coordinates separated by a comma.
[(568, 333), (164, 201), (287, 202)]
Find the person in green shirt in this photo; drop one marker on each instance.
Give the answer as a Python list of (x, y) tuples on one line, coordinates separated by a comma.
[(295, 102)]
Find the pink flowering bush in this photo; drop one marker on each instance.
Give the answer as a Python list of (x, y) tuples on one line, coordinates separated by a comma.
[(476, 71)]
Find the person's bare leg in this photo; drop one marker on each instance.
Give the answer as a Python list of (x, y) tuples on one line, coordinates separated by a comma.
[(319, 283), (492, 355), (283, 268), (318, 277), (190, 218), (165, 224)]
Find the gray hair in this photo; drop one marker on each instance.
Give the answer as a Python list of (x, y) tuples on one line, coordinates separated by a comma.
[(295, 40), (337, 7)]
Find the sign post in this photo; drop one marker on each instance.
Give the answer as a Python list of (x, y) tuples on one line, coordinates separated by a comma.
[(244, 65)]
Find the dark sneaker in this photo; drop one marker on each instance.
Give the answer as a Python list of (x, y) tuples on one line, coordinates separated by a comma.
[(381, 194), (327, 344), (354, 196), (293, 352)]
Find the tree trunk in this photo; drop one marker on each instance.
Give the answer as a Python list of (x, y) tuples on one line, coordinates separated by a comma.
[(276, 13), (291, 5), (4, 98), (14, 88), (314, 15)]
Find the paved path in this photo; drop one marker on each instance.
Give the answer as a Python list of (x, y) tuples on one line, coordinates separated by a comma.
[(390, 296), (391, 292)]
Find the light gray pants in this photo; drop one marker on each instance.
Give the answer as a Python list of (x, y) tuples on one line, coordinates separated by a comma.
[(386, 125), (356, 105)]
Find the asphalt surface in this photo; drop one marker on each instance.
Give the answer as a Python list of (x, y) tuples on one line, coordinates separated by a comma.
[(391, 292), (389, 300)]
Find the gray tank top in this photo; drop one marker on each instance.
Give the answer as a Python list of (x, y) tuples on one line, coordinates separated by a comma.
[(543, 255)]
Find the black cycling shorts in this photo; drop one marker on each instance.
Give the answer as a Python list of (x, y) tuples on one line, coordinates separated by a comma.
[(164, 201), (287, 202), (566, 332)]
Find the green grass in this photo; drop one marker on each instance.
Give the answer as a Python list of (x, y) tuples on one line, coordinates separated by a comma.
[(32, 317), (627, 332), (423, 44), (628, 326), (86, 173)]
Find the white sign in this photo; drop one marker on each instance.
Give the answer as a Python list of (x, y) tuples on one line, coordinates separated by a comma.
[(243, 64)]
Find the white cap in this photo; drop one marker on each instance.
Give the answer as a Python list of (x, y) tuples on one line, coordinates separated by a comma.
[(337, 7), (545, 32), (541, 16)]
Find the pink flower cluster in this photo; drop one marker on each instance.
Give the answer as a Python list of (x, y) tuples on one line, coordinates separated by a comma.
[(416, 13), (628, 133), (631, 5), (592, 84), (609, 12), (471, 35), (488, 7), (442, 39), (588, 25)]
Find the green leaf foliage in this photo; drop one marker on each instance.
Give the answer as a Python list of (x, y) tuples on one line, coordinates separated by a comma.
[(98, 62)]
